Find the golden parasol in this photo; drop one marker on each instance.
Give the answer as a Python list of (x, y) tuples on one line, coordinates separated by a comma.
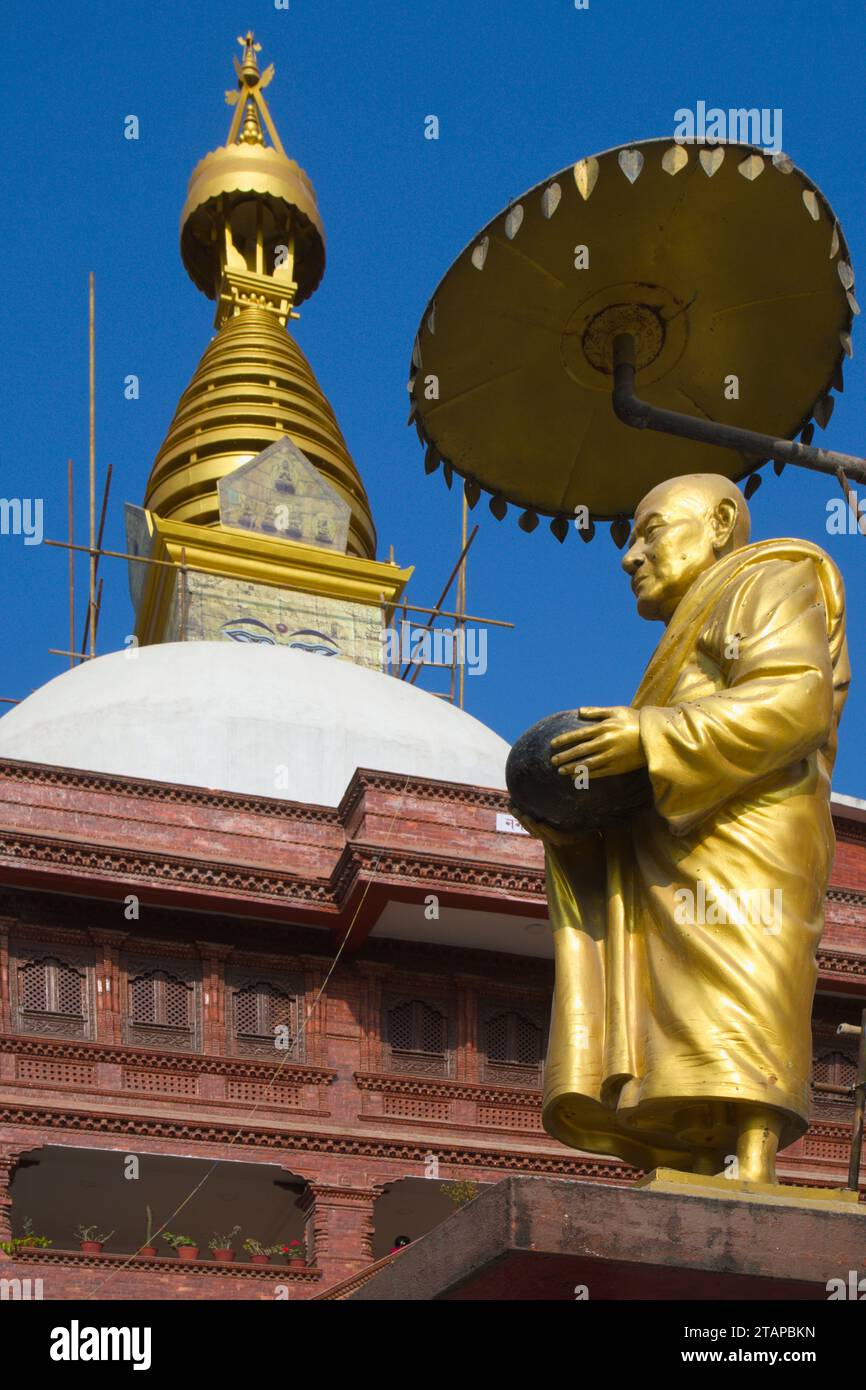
[(721, 269)]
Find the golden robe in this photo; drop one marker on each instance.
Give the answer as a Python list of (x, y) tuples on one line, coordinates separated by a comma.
[(659, 1008)]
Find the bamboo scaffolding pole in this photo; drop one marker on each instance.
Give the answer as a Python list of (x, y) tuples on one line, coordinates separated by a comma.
[(461, 605), (436, 611), (98, 610), (69, 475), (99, 551), (92, 476)]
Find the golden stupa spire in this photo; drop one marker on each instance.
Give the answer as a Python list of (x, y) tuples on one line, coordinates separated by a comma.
[(251, 231), (252, 240)]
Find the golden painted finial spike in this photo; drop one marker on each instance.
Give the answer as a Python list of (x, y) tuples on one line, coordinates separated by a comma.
[(251, 133), (250, 66), (251, 233), (248, 100)]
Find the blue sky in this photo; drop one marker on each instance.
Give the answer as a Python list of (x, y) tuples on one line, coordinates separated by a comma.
[(521, 90)]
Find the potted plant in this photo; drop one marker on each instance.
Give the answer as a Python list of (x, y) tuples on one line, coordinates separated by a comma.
[(223, 1251), (259, 1254), (295, 1254), (183, 1246), (26, 1241), (148, 1250), (91, 1239)]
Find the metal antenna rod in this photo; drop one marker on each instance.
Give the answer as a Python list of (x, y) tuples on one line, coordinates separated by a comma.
[(641, 415)]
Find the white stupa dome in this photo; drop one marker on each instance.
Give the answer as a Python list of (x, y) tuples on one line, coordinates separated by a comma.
[(272, 721)]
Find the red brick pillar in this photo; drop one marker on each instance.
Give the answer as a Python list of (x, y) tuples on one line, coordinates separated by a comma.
[(9, 1156), (213, 983), (312, 1016), (468, 1066), (6, 923), (109, 984), (339, 1229), (371, 975)]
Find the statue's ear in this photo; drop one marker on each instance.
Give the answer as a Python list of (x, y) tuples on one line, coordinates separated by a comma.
[(724, 519)]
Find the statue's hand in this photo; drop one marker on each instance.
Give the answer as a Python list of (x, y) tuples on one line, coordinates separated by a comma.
[(610, 745), (539, 831)]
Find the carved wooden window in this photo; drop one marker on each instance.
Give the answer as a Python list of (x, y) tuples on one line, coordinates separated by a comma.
[(51, 994), (51, 987), (832, 1067), (160, 998), (266, 1016), (416, 1038), (162, 1005), (513, 1047)]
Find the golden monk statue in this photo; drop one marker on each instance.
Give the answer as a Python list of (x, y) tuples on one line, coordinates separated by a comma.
[(685, 938)]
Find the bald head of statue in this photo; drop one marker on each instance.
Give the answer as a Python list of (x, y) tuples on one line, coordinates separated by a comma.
[(681, 528)]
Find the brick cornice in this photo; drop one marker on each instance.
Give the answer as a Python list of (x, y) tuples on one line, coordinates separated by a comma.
[(334, 1194), (849, 831), (46, 1120), (357, 860), (443, 1088), (849, 896), (398, 865), (826, 1129), (424, 788), (244, 1068), (141, 788), (147, 789), (848, 963), (132, 866)]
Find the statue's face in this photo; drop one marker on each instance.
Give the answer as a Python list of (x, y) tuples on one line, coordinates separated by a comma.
[(672, 542)]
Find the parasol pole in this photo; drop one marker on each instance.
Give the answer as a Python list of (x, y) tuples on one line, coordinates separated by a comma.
[(641, 415)]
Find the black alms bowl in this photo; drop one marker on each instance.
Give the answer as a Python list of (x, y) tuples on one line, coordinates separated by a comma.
[(538, 789)]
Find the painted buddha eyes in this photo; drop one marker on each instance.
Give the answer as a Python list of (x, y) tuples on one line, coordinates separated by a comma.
[(254, 630), (249, 630)]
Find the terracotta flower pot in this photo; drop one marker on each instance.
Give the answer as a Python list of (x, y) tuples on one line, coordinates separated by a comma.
[(187, 1252), (260, 1259), (91, 1247), (223, 1257), (148, 1252), (297, 1262)]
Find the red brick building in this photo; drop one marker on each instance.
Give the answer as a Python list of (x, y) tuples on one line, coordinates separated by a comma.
[(148, 1044)]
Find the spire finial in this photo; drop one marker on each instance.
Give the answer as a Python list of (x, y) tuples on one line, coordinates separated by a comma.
[(248, 100), (249, 70), (251, 232)]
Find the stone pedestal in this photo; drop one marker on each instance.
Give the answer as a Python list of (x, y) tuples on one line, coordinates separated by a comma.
[(740, 1190), (548, 1239)]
